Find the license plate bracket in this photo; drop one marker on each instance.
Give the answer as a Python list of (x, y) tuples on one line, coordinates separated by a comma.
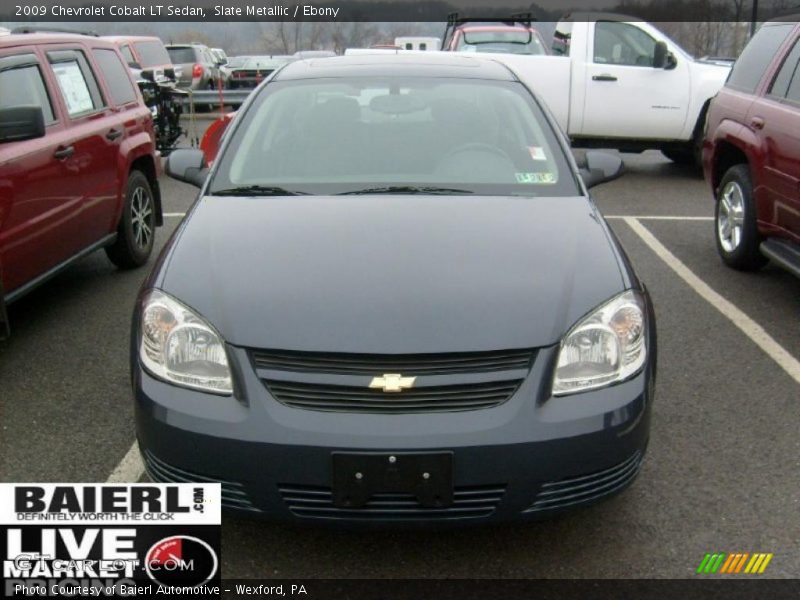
[(357, 477)]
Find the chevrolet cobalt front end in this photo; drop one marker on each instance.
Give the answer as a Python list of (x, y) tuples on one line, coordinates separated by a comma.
[(395, 301)]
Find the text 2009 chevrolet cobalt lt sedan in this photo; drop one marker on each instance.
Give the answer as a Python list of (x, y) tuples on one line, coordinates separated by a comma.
[(395, 301)]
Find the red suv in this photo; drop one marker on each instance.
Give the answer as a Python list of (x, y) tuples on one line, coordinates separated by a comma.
[(78, 168), (751, 152), (513, 35)]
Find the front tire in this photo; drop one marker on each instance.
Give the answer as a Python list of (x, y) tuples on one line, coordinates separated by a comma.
[(735, 227), (137, 226)]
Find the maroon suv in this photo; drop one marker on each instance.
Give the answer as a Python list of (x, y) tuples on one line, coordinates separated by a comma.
[(78, 167), (751, 152)]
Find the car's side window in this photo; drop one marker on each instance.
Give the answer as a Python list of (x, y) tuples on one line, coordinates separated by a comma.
[(22, 84), (116, 76), (788, 78), (128, 54), (76, 81), (622, 44)]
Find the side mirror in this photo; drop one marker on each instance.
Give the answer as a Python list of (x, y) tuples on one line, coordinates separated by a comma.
[(598, 167), (20, 123), (660, 54), (148, 74), (187, 165)]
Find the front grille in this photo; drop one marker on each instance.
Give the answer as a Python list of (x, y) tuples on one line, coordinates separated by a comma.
[(317, 502), (407, 364), (233, 494), (444, 398), (579, 490)]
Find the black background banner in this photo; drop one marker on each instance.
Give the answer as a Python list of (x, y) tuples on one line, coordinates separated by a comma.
[(511, 589), (33, 11)]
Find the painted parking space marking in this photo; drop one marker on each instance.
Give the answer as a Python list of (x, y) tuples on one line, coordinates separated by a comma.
[(130, 469), (179, 215), (747, 325)]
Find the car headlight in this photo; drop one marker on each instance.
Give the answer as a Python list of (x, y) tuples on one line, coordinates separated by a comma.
[(178, 346), (606, 347)]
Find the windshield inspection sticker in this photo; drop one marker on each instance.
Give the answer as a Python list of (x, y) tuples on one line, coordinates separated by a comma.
[(537, 153), (536, 178)]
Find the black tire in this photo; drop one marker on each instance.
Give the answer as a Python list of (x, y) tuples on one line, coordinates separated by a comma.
[(692, 153), (137, 226), (735, 210)]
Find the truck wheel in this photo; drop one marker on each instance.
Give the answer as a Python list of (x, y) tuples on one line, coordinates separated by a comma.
[(137, 225), (735, 221)]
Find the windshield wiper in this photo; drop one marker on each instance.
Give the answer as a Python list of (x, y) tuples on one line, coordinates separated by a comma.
[(257, 190), (407, 189)]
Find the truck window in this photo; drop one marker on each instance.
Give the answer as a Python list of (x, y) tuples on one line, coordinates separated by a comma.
[(622, 44), (787, 76), (116, 74), (77, 82), (126, 52), (755, 58), (24, 85)]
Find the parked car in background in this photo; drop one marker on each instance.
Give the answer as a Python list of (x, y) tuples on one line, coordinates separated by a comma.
[(394, 301), (623, 84), (751, 153), (514, 35), (146, 53), (78, 167), (220, 55), (253, 70), (418, 43), (4, 31), (197, 65), (232, 63)]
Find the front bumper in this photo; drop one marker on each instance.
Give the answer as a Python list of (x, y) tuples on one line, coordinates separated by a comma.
[(529, 457)]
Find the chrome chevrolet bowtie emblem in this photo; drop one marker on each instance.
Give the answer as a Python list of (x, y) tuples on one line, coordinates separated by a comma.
[(392, 382)]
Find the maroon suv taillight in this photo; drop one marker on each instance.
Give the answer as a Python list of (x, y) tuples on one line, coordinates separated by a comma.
[(197, 71)]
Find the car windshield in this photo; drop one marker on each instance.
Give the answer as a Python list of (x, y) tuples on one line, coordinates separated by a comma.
[(511, 42), (153, 54), (181, 55), (409, 135)]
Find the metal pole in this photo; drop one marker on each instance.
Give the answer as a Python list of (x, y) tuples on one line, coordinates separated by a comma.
[(753, 18)]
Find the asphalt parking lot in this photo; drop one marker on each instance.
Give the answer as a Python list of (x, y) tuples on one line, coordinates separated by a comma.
[(722, 471)]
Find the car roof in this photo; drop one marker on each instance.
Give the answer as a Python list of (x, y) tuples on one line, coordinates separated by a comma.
[(35, 39), (385, 63), (118, 39)]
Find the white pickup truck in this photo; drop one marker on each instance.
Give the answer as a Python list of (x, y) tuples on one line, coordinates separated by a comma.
[(614, 82)]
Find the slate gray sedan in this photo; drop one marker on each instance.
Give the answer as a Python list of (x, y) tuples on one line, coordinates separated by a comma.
[(395, 301)]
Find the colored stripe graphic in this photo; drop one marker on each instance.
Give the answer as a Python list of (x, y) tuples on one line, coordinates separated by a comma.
[(736, 562)]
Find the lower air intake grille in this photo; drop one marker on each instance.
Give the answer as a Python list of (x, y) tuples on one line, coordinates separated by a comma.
[(424, 399), (580, 490), (233, 494), (317, 502)]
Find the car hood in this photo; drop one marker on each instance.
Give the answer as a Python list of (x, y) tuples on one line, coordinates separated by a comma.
[(392, 274)]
